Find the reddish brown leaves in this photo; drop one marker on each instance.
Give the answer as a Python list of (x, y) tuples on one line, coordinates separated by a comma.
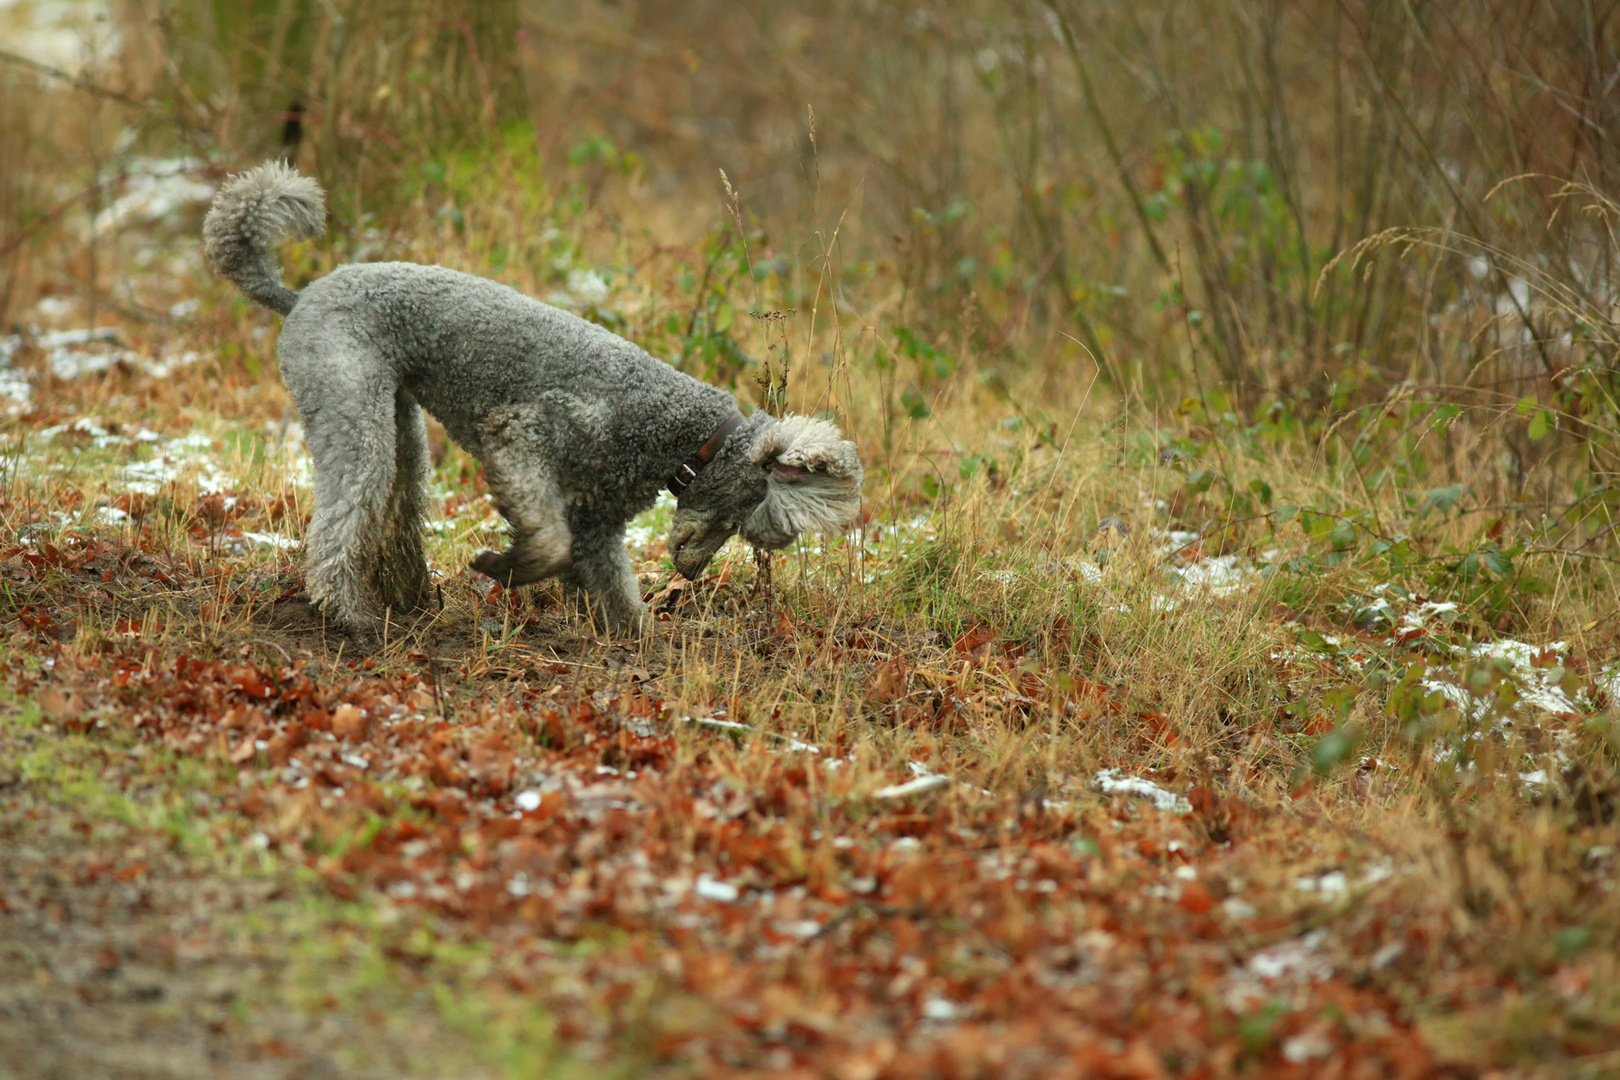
[(744, 907), (349, 722)]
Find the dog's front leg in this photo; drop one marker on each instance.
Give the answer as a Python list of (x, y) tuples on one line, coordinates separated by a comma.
[(601, 568), (534, 555), (529, 498)]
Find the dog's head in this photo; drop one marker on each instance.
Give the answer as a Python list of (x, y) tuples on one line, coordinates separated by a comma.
[(771, 481)]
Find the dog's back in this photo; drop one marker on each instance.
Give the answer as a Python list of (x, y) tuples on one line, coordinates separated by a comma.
[(465, 346)]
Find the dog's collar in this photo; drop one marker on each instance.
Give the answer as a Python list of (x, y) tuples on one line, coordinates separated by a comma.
[(688, 472)]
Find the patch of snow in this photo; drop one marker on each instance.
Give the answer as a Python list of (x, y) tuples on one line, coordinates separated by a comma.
[(1088, 571), (73, 354), (1219, 575), (56, 307), (14, 387), (799, 928), (1382, 870), (912, 787), (711, 888), (71, 37), (170, 363), (1608, 681), (1387, 953), (1539, 688), (1298, 959), (714, 722), (1331, 884), (1237, 909), (153, 190), (1306, 1046), (585, 288), (1112, 782), (286, 543), (793, 744), (173, 458), (82, 426), (650, 525)]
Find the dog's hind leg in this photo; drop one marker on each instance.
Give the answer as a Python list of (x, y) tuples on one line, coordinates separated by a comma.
[(349, 426), (402, 573), (517, 471)]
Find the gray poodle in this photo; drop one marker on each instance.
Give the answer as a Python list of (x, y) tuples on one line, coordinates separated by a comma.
[(577, 429)]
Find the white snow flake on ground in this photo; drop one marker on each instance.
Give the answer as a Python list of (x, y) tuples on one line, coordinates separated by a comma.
[(1296, 960), (172, 460), (1535, 671), (710, 888), (153, 189), (1112, 782)]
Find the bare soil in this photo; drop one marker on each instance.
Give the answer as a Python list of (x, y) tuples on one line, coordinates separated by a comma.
[(124, 957)]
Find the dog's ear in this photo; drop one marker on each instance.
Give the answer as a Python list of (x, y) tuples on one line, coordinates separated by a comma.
[(813, 483)]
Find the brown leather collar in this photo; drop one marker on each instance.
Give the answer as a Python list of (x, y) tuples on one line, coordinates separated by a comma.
[(688, 472)]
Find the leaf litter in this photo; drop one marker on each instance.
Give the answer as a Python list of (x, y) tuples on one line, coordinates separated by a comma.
[(556, 810)]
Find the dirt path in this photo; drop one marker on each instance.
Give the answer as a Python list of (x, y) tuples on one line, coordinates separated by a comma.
[(128, 951)]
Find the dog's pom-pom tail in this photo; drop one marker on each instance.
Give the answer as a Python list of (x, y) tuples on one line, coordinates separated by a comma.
[(813, 482), (253, 212)]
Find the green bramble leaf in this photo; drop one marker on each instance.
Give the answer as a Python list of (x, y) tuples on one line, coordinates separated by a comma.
[(1443, 499), (1331, 750), (1199, 480), (1496, 561), (1316, 525), (1540, 424), (1313, 641)]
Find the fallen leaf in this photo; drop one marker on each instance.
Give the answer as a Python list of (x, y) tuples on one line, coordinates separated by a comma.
[(349, 722)]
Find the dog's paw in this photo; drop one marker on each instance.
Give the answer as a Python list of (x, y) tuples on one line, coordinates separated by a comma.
[(637, 623), (367, 641), (494, 564)]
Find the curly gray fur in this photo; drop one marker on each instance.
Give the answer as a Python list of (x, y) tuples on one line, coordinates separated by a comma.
[(577, 428), (253, 213)]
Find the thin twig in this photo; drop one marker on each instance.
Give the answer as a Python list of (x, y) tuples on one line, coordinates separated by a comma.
[(79, 82)]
